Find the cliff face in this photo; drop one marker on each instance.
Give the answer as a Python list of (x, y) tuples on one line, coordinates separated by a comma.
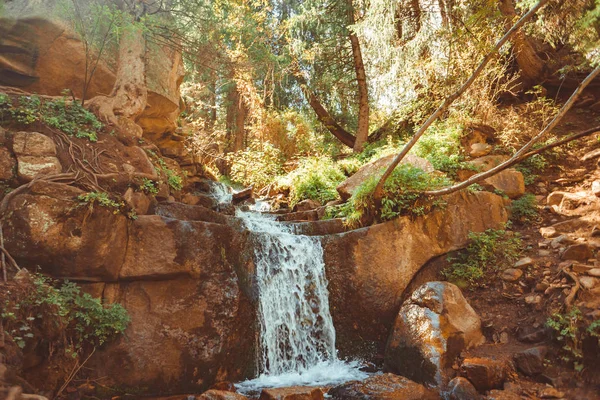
[(39, 53)]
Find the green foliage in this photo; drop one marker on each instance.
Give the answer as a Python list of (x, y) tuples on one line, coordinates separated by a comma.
[(524, 209), (256, 166), (401, 195), (172, 178), (531, 167), (102, 199), (82, 319), (69, 117), (492, 250), (315, 179), (567, 331), (149, 186), (441, 146)]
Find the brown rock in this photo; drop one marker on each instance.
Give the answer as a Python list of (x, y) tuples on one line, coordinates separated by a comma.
[(431, 330), (198, 199), (186, 212), (488, 162), (594, 272), (578, 252), (524, 262), (510, 182), (242, 195), (555, 198), (485, 373), (531, 361), (367, 276), (31, 166), (8, 164), (307, 205), (588, 282), (33, 144), (480, 149), (460, 388), (502, 395), (347, 188), (292, 393), (548, 232), (138, 201), (214, 394), (511, 274), (382, 387), (551, 393)]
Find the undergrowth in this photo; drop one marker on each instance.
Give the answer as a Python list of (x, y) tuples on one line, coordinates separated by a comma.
[(69, 117), (42, 309), (524, 209), (171, 177), (487, 252)]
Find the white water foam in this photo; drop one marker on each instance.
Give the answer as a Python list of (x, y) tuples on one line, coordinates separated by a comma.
[(297, 337), (221, 193)]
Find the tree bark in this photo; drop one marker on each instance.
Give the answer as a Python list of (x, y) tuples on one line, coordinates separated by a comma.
[(236, 120), (130, 94), (362, 131), (530, 64)]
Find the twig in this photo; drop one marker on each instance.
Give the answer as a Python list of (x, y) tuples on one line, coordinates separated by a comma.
[(574, 289), (2, 256), (378, 192), (74, 372)]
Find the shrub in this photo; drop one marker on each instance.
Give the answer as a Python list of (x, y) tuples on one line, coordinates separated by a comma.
[(401, 196), (256, 166), (314, 179), (491, 250), (82, 319), (149, 186), (102, 199), (531, 167), (173, 179), (524, 209)]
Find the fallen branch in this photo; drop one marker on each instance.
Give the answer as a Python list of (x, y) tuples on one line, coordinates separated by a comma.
[(378, 192), (74, 372), (574, 289), (522, 153), (568, 139)]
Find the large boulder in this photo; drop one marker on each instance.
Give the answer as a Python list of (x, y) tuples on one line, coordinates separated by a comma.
[(368, 269), (510, 181), (36, 155), (8, 165), (433, 326), (382, 387), (349, 186)]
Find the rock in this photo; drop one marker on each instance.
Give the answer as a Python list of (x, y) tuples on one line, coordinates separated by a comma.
[(347, 188), (433, 326), (548, 232), (511, 274), (560, 240), (366, 275), (544, 253), (524, 262), (138, 201), (594, 272), (382, 387), (242, 195), (8, 164), (488, 162), (185, 212), (578, 252), (596, 188), (33, 144), (531, 334), (31, 166), (502, 395), (224, 386), (555, 198), (485, 373), (581, 268), (214, 394), (510, 182), (531, 361), (292, 393), (588, 282), (460, 388), (480, 149), (307, 205), (198, 199), (533, 299), (551, 393)]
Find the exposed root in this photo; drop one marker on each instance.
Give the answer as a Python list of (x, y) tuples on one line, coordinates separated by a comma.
[(574, 289)]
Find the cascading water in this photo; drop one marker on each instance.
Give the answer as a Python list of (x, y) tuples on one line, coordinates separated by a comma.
[(297, 336)]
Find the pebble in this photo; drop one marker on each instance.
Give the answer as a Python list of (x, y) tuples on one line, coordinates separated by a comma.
[(594, 272), (551, 393), (524, 262), (544, 253), (533, 299), (588, 282), (548, 232), (541, 287), (511, 274)]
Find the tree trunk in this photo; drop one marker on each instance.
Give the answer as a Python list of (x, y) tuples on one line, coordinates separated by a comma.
[(530, 64), (130, 94), (236, 120), (362, 131)]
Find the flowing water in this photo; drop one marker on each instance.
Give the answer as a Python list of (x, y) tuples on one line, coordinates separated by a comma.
[(297, 337)]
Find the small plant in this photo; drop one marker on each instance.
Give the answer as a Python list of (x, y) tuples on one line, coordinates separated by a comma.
[(531, 167), (173, 179), (27, 112), (102, 199), (149, 186), (566, 329), (524, 209), (491, 250), (315, 179)]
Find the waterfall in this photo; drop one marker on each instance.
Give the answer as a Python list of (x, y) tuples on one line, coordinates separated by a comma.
[(297, 336)]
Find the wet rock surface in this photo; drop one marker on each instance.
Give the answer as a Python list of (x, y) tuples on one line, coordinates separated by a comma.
[(382, 387), (292, 393)]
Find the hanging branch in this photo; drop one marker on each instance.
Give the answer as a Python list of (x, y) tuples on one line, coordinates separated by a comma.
[(522, 153), (378, 193)]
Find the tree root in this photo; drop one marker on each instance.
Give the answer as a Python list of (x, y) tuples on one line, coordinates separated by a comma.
[(569, 299)]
